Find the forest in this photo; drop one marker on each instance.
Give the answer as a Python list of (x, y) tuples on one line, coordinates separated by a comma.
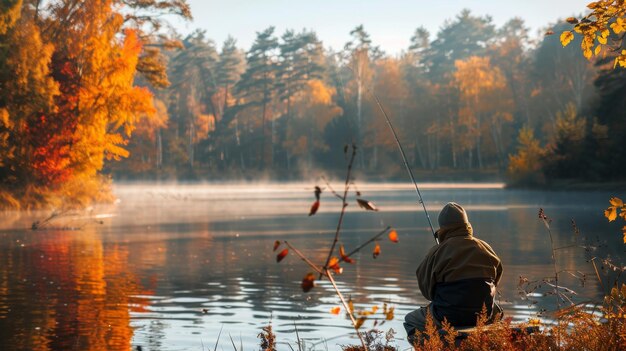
[(105, 89)]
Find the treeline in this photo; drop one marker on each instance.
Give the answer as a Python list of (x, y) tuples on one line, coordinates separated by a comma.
[(465, 98), (78, 78)]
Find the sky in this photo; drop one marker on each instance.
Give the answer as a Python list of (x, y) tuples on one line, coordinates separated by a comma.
[(391, 23)]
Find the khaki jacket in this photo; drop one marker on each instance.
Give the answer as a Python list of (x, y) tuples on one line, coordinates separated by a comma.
[(458, 256)]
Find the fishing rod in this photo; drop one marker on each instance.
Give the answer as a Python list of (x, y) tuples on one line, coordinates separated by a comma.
[(406, 163)]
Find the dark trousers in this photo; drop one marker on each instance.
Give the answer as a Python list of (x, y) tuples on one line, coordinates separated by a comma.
[(415, 322)]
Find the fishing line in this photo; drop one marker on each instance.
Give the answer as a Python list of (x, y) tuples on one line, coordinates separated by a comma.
[(404, 159), (406, 163)]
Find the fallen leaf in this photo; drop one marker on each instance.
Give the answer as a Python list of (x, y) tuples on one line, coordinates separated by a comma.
[(314, 207), (368, 205), (276, 244), (282, 255), (335, 310), (393, 236), (308, 282), (376, 251), (345, 258)]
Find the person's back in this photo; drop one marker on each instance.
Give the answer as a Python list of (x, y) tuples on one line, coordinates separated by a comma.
[(459, 275)]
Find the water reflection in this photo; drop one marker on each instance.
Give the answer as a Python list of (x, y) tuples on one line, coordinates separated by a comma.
[(172, 266), (66, 291)]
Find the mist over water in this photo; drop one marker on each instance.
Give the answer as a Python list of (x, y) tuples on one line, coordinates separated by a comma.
[(172, 265)]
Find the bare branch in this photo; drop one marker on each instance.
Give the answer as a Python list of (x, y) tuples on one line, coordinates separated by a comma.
[(372, 239), (311, 264), (345, 305), (343, 208), (331, 188)]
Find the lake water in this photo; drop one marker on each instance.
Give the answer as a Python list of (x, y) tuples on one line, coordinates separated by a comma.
[(172, 265)]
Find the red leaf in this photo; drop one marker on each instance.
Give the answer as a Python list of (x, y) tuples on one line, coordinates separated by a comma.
[(282, 255), (314, 208), (308, 282), (345, 258), (368, 205), (335, 310), (276, 245), (393, 236), (376, 251)]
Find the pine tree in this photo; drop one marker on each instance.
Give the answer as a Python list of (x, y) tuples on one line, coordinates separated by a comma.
[(257, 84)]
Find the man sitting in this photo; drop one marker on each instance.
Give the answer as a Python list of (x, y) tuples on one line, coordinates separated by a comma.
[(459, 276)]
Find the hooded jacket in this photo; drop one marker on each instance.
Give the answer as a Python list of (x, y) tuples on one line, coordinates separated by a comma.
[(459, 275)]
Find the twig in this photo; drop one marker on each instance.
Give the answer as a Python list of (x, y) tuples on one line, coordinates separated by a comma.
[(593, 262), (297, 336), (365, 243), (406, 163), (345, 305), (546, 223), (232, 341), (331, 188), (343, 209), (218, 338), (311, 264)]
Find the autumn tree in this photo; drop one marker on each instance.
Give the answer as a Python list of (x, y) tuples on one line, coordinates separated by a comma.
[(360, 53), (78, 63), (526, 167), (390, 87), (313, 109), (27, 94), (485, 99)]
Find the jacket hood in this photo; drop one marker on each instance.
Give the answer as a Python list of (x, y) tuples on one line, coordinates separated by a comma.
[(453, 221), (462, 229)]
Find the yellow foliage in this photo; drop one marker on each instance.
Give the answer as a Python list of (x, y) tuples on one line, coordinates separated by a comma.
[(566, 38), (605, 16), (312, 108), (568, 125), (525, 166), (9, 14), (611, 213)]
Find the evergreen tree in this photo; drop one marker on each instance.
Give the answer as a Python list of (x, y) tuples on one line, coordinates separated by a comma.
[(258, 82), (301, 61), (465, 36)]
